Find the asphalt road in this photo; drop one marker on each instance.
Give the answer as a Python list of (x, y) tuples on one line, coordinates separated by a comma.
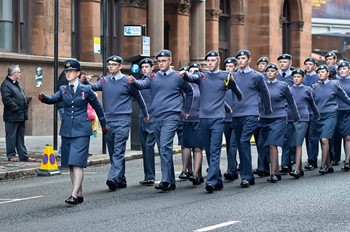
[(312, 203)]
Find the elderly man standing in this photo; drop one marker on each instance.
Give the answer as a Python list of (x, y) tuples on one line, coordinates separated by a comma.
[(15, 114)]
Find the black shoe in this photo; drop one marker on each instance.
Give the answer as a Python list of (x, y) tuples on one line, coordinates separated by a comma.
[(309, 166), (112, 185), (183, 175), (279, 176), (80, 199), (335, 163), (245, 184), (165, 186), (295, 174), (302, 173), (273, 178), (72, 200), (346, 167), (324, 170), (147, 182), (209, 188), (230, 177), (260, 173), (196, 180), (285, 170)]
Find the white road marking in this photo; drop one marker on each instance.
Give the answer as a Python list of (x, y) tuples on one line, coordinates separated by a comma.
[(20, 199), (217, 226)]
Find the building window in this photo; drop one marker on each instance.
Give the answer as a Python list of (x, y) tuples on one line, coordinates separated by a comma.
[(13, 28), (114, 27), (76, 29)]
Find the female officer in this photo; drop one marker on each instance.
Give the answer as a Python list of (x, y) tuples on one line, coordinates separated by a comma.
[(76, 128)]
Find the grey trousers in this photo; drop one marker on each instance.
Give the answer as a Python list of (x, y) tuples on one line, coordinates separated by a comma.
[(15, 140)]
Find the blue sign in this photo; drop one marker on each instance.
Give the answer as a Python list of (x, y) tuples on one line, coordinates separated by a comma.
[(134, 68)]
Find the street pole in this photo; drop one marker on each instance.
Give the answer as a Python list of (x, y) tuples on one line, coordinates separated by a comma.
[(104, 57), (55, 74)]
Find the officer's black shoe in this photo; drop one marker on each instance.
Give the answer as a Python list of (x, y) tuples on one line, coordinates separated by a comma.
[(245, 184), (230, 176), (72, 200), (285, 170), (209, 188), (112, 185), (147, 182), (165, 186), (295, 174)]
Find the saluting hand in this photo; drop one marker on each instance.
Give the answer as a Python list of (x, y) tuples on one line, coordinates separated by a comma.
[(104, 129), (41, 97), (182, 74), (131, 79)]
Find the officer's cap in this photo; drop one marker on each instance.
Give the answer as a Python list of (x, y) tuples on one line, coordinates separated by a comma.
[(330, 53), (243, 52), (271, 65), (163, 53), (285, 56), (194, 65), (298, 71), (71, 65), (115, 59), (323, 66), (263, 59), (146, 61), (184, 68), (212, 53), (310, 59), (344, 64), (231, 60)]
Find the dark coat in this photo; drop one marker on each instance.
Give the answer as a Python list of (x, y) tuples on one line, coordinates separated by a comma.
[(15, 101)]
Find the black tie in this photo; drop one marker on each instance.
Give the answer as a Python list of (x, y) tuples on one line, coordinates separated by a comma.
[(71, 89), (322, 82), (113, 78), (164, 73), (284, 74)]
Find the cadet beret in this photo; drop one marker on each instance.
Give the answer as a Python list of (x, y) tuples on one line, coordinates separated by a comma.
[(184, 68), (146, 61), (163, 53), (323, 66), (71, 65), (310, 59), (194, 65), (329, 54), (243, 52), (332, 70), (211, 53), (271, 65), (344, 64), (298, 71), (285, 56), (263, 59), (230, 60), (115, 59)]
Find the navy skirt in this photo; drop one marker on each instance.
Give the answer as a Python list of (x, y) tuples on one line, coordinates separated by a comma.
[(343, 122), (75, 151), (192, 137), (273, 131), (325, 127), (296, 133)]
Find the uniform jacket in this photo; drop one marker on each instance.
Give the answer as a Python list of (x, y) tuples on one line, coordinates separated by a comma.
[(15, 101), (76, 122)]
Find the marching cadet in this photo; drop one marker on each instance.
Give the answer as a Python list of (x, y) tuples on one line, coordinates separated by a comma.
[(166, 88), (262, 63), (273, 126), (230, 137), (331, 58), (147, 138), (296, 131), (76, 128), (213, 85), (117, 103), (326, 93), (246, 112)]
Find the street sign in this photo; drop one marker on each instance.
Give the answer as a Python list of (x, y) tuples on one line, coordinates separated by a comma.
[(132, 30), (97, 45), (134, 68), (146, 46)]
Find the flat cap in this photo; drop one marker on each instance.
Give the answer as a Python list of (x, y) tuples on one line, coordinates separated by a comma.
[(212, 53), (71, 64), (231, 60), (163, 53), (285, 56), (115, 59), (271, 65), (146, 61), (243, 52), (298, 71), (263, 59)]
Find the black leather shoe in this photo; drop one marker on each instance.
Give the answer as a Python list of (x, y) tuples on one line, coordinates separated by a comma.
[(112, 185), (245, 184), (196, 180), (272, 178), (295, 174), (209, 188), (324, 170), (147, 182), (183, 175), (285, 170), (72, 200), (80, 199), (165, 186), (346, 167), (302, 173), (260, 173), (230, 176)]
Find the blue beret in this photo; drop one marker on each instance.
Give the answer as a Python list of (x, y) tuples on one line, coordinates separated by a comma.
[(231, 60), (271, 65), (310, 59), (115, 59), (298, 71), (146, 61), (71, 65), (211, 53), (263, 59), (344, 64), (184, 68), (329, 54), (323, 66), (163, 53), (285, 56), (194, 65), (243, 52), (332, 70)]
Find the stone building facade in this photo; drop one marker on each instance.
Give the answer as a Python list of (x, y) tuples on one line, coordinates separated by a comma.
[(189, 28)]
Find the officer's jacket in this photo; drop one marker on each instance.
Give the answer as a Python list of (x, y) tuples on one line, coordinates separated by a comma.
[(15, 101), (75, 122)]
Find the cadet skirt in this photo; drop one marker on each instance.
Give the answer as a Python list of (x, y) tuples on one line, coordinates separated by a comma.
[(325, 127), (75, 151), (192, 135), (296, 133), (273, 131), (343, 122)]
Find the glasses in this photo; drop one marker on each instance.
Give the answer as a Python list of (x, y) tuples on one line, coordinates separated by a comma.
[(113, 64), (162, 61)]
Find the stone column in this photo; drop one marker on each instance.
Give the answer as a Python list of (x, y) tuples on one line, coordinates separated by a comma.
[(237, 19), (156, 25), (197, 49), (212, 25)]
